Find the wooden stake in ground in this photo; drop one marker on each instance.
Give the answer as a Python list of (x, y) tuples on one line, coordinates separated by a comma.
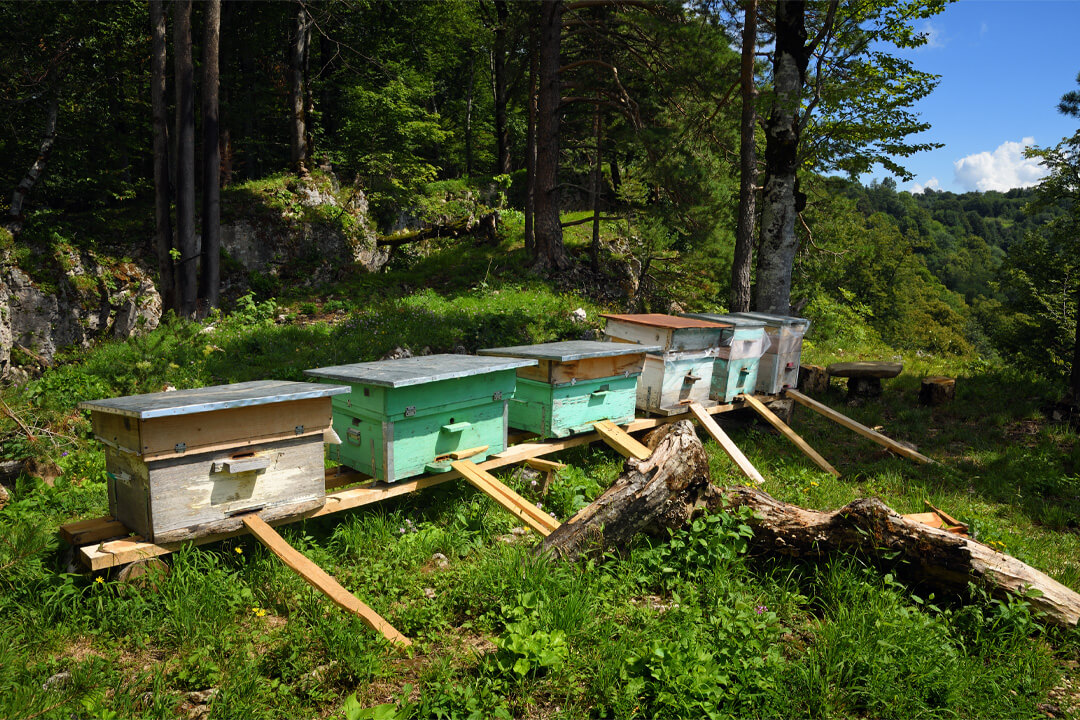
[(790, 434), (518, 506), (706, 421), (850, 424), (320, 580), (620, 440)]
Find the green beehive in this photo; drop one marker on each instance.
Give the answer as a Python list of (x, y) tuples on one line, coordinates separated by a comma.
[(735, 370), (780, 364), (408, 417), (575, 384), (681, 373)]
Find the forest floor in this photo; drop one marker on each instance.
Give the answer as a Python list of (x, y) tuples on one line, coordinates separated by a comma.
[(688, 626)]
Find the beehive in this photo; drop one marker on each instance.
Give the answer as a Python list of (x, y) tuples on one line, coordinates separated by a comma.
[(780, 364), (681, 372), (411, 416), (575, 384), (735, 370), (182, 464)]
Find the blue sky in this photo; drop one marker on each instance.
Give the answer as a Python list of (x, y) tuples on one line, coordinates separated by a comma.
[(1004, 64)]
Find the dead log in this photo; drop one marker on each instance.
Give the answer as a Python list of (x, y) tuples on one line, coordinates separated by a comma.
[(666, 489), (870, 527), (650, 496), (486, 228)]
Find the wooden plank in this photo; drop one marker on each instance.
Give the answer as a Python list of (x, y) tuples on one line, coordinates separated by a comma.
[(321, 580), (507, 498), (745, 466), (462, 454), (790, 434), (859, 428), (93, 530), (100, 556), (622, 441), (544, 465)]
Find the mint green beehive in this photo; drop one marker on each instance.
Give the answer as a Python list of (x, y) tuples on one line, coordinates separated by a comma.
[(575, 384), (735, 370), (405, 417)]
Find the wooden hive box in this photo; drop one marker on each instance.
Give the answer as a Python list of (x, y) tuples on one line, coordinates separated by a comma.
[(780, 364), (188, 463), (415, 415), (735, 370), (681, 373), (575, 384)]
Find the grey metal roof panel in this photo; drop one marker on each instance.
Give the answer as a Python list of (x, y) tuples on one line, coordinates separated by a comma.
[(570, 350), (736, 320), (775, 319), (417, 370), (216, 397)]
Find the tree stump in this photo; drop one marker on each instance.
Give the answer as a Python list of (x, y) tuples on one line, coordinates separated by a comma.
[(936, 390), (864, 387), (813, 380)]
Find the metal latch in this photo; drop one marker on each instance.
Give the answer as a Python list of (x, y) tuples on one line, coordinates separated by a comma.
[(299, 429), (180, 447), (410, 411), (496, 395)]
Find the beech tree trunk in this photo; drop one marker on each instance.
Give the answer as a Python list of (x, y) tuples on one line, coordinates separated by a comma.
[(163, 237), (530, 154), (22, 190), (185, 160), (1074, 377), (550, 253), (210, 270), (744, 233), (778, 242), (298, 121), (665, 490)]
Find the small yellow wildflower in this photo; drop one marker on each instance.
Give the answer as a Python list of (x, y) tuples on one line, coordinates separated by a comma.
[(258, 612), (814, 483), (239, 550), (99, 580)]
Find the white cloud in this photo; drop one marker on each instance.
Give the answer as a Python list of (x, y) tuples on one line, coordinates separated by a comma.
[(983, 29), (931, 184), (935, 36), (1003, 169)]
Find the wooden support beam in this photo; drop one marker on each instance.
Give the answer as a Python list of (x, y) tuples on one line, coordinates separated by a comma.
[(790, 434), (518, 506), (706, 421), (859, 428), (319, 579), (621, 441), (544, 465), (103, 555)]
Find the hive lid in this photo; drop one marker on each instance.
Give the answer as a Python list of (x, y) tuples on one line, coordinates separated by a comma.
[(570, 350), (736, 320), (216, 397), (770, 319), (673, 322), (417, 370)]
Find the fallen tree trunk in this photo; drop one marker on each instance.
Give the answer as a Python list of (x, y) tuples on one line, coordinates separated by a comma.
[(664, 490)]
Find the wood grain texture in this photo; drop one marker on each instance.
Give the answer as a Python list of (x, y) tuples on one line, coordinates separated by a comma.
[(717, 433), (507, 498), (856, 427), (790, 434), (321, 580), (621, 441)]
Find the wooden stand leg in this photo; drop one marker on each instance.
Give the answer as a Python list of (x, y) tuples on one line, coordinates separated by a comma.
[(790, 434)]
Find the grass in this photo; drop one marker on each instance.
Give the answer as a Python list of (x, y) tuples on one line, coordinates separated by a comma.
[(687, 626)]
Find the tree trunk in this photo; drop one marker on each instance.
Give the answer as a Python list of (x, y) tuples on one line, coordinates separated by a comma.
[(185, 160), (297, 120), (22, 190), (163, 239), (530, 153), (550, 253), (664, 491), (210, 270), (470, 80), (594, 191), (778, 242), (1074, 376), (502, 132), (744, 233)]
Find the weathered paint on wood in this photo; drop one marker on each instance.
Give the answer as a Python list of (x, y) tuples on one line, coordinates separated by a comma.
[(394, 425), (738, 360), (670, 381), (779, 366), (560, 411), (670, 332)]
